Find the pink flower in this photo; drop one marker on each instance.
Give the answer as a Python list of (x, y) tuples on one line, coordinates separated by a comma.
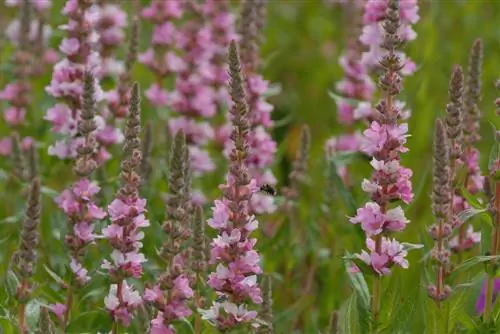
[(70, 46), (471, 239), (121, 307), (14, 116), (379, 135), (84, 231), (157, 96), (220, 216), (153, 294), (392, 253), (85, 189), (5, 146), (200, 160), (164, 34), (58, 309), (79, 271), (374, 222)]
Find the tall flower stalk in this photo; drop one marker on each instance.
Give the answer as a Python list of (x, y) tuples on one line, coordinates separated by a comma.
[(78, 202), (474, 180), (262, 147), (24, 259), (385, 140), (189, 42), (127, 214), (235, 278), (24, 33), (441, 203), (356, 91), (172, 290)]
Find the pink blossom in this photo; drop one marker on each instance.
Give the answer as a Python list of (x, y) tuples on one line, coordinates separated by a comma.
[(157, 96), (391, 253), (70, 46), (374, 222), (58, 309), (5, 146), (378, 136), (14, 116), (471, 239), (79, 271), (121, 307)]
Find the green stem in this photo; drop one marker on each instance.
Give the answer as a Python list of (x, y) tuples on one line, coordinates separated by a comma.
[(377, 287)]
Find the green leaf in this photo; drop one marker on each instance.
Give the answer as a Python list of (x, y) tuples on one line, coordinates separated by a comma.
[(11, 283), (49, 192), (473, 261), (13, 219), (32, 314), (467, 214), (408, 246), (472, 200), (339, 184), (56, 277), (347, 319), (187, 324), (90, 322), (358, 283), (273, 90)]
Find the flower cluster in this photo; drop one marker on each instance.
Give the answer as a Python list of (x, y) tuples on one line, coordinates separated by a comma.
[(67, 84), (462, 122), (385, 140), (121, 301), (373, 32), (391, 252), (262, 147), (235, 278), (127, 214), (173, 289), (29, 37), (356, 91), (193, 50), (109, 24), (79, 204)]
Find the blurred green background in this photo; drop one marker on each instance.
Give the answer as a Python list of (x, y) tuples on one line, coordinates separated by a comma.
[(303, 42)]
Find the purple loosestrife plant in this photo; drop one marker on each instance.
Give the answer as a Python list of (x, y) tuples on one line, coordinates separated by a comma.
[(127, 214), (238, 264), (373, 32), (109, 25), (119, 98), (67, 78), (23, 34), (24, 259), (171, 293), (385, 140), (78, 202), (356, 91), (262, 147), (200, 90), (441, 203), (474, 180)]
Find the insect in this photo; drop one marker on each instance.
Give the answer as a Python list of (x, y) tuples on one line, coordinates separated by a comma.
[(268, 189)]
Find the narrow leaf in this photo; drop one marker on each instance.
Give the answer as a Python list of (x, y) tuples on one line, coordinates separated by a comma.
[(358, 283), (32, 314), (339, 184), (56, 277), (473, 261), (473, 200)]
